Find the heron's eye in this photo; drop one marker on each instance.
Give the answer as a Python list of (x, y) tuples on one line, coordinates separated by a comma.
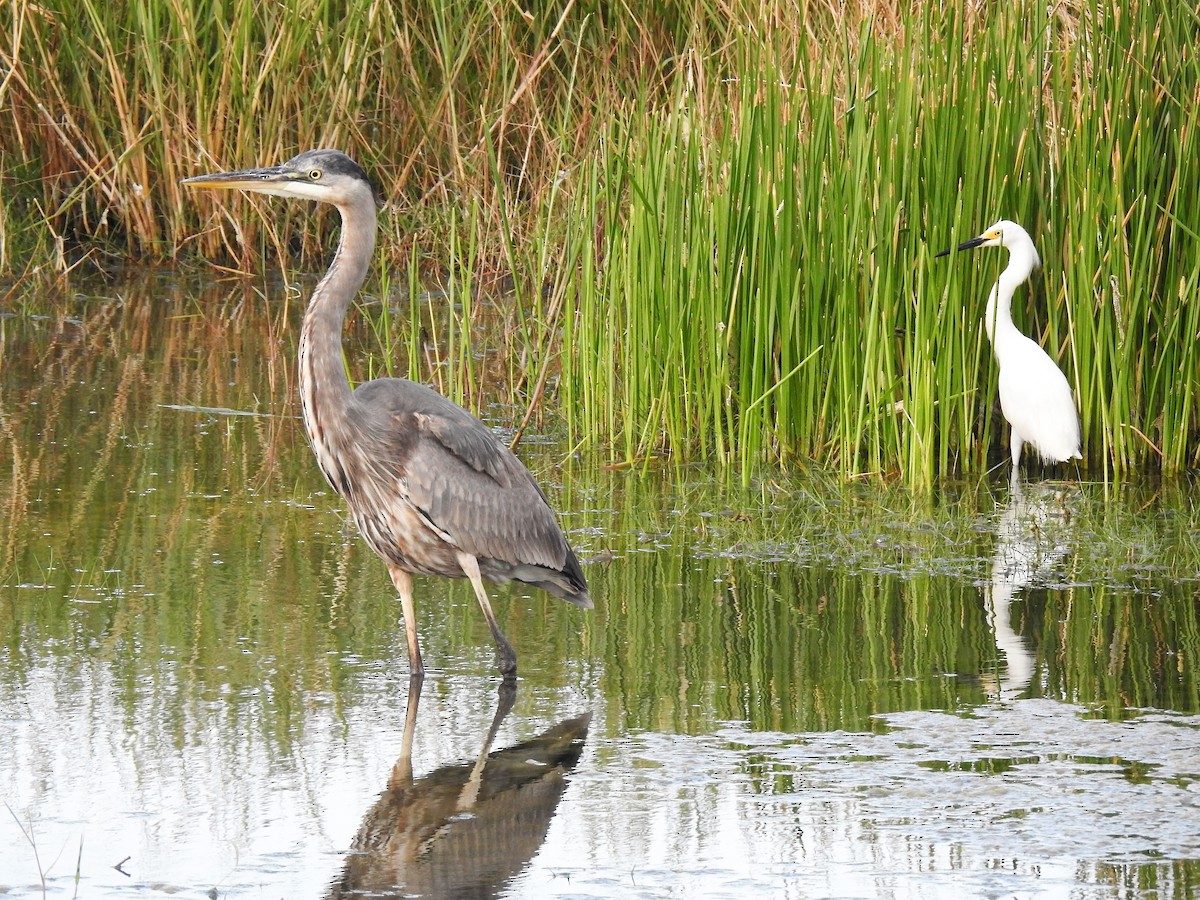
[(314, 175)]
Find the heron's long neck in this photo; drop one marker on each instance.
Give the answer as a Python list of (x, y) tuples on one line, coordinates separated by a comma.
[(324, 387)]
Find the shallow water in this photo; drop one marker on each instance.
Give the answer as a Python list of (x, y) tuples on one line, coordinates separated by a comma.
[(796, 689)]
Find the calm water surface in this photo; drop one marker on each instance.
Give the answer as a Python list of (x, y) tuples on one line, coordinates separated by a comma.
[(797, 689)]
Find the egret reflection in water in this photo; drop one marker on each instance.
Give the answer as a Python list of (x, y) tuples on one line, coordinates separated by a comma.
[(465, 829), (1032, 537)]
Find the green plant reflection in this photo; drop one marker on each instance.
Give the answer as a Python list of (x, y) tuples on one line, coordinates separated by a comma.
[(165, 520)]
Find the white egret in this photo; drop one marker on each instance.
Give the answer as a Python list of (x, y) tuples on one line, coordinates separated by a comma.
[(1034, 395)]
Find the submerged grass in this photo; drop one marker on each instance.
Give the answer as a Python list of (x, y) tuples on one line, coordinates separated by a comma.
[(714, 222)]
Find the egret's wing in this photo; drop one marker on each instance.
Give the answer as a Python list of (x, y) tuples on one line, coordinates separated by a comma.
[(1037, 401)]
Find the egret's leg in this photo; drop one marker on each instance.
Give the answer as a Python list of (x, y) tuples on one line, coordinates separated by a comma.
[(1015, 445), (404, 584), (504, 650)]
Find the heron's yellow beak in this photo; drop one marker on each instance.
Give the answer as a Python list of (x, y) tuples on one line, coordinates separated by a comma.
[(263, 179)]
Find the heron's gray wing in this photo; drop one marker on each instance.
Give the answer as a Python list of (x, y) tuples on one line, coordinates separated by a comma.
[(463, 479), (468, 439)]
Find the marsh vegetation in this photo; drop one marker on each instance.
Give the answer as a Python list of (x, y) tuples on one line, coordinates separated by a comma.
[(715, 221)]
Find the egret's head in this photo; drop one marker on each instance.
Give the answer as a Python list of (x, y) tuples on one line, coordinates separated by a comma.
[(329, 176), (1004, 233)]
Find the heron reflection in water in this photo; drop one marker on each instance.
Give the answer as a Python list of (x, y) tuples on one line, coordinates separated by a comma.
[(432, 490), (463, 830)]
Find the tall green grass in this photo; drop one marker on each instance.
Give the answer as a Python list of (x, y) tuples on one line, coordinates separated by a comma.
[(715, 223), (766, 288)]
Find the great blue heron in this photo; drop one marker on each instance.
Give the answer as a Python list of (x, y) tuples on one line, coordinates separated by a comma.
[(433, 491), (1034, 395)]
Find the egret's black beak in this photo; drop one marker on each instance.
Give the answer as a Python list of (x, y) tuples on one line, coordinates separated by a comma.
[(965, 245)]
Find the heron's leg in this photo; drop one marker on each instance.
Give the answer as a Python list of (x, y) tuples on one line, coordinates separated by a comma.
[(404, 584), (504, 650), (402, 771)]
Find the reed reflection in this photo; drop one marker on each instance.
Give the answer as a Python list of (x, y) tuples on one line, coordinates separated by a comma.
[(1032, 537), (465, 829)]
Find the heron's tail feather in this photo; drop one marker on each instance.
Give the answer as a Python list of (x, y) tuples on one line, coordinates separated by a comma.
[(567, 584)]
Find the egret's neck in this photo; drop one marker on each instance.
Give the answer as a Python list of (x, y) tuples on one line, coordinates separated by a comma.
[(324, 387), (997, 318)]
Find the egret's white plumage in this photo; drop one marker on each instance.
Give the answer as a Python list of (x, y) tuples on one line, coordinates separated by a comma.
[(1034, 394)]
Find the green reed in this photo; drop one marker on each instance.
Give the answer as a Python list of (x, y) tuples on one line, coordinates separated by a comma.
[(767, 289), (1125, 245), (754, 299)]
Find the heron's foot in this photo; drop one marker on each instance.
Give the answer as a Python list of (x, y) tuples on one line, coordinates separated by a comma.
[(506, 660), (416, 666)]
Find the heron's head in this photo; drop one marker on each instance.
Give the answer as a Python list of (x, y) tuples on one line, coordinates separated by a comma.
[(329, 176), (1004, 233)]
